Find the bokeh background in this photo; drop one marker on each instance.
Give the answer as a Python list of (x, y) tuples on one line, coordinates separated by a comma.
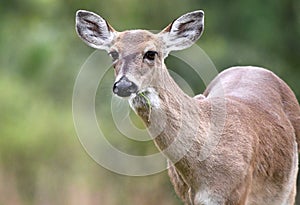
[(41, 159)]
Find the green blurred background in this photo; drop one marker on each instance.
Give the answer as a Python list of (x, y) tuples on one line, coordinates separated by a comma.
[(41, 159)]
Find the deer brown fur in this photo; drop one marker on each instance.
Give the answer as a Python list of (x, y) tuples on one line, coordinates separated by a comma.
[(237, 144)]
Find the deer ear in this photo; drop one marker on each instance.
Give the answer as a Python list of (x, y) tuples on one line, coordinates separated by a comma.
[(183, 32), (94, 30)]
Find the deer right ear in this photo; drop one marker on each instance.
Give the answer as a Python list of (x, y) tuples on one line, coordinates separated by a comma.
[(183, 32), (94, 30)]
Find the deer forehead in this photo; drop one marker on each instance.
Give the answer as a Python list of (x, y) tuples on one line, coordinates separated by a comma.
[(136, 41)]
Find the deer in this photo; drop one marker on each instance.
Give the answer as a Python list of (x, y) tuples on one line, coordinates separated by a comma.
[(254, 160)]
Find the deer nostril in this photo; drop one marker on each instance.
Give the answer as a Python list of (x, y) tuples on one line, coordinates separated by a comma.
[(124, 87), (115, 89)]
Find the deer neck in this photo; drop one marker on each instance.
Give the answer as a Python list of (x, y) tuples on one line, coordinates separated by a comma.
[(172, 117)]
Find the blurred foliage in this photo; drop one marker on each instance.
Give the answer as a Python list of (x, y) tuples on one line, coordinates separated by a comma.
[(41, 160)]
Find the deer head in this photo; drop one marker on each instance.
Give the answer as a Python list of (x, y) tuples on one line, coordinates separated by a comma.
[(138, 55)]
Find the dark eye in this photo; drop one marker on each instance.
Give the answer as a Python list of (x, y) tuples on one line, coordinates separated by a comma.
[(150, 55), (114, 55)]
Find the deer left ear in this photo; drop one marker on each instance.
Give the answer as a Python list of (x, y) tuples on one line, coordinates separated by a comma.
[(183, 32)]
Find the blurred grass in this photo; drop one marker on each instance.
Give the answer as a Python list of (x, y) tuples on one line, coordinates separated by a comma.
[(41, 159)]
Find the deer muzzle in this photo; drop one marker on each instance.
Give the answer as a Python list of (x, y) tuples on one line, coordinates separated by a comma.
[(124, 87)]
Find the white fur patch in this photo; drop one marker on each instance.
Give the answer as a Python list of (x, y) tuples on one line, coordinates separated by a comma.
[(204, 197), (152, 96)]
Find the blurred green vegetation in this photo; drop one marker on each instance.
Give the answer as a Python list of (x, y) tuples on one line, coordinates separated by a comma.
[(41, 159)]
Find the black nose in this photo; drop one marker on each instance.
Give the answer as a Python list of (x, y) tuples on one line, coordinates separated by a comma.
[(124, 87)]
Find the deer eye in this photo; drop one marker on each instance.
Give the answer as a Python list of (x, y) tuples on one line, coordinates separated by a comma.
[(150, 55), (114, 55)]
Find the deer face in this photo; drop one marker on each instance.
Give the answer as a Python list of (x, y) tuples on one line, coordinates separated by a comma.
[(138, 55)]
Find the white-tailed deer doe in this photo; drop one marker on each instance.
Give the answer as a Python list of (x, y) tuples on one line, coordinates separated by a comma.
[(255, 160)]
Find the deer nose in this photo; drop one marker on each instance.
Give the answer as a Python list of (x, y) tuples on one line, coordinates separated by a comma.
[(124, 87)]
